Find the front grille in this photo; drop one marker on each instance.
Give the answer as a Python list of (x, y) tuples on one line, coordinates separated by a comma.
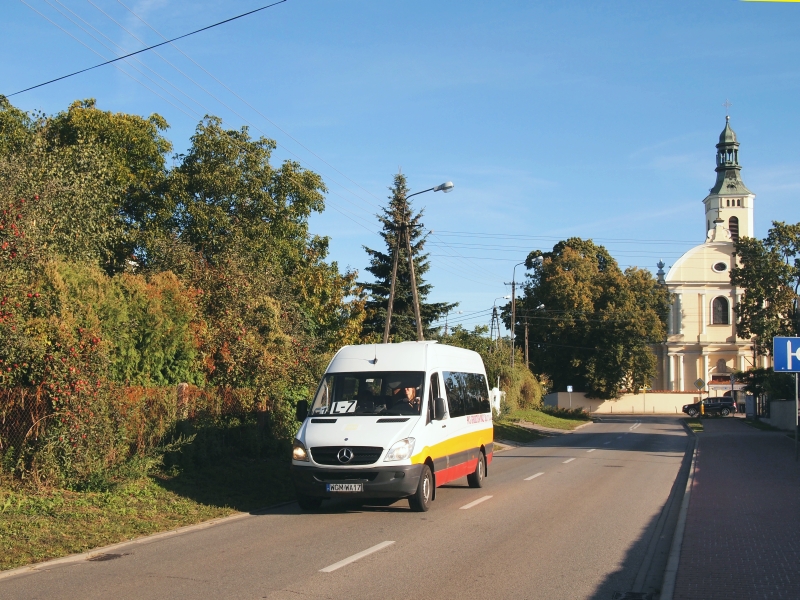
[(362, 455), (347, 475)]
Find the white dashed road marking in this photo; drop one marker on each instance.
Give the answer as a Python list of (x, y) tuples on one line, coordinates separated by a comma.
[(634, 426), (568, 460), (592, 450), (356, 557), (533, 476), (476, 502)]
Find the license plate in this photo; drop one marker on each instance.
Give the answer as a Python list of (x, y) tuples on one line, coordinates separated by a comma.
[(344, 487)]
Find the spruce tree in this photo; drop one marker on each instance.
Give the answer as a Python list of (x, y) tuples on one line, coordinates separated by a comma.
[(403, 325)]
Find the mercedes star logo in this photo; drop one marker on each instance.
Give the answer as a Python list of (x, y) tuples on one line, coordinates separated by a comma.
[(345, 455)]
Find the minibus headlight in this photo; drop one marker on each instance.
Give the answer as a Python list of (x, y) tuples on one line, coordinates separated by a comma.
[(299, 451), (400, 450)]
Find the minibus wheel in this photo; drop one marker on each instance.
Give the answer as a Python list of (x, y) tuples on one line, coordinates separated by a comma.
[(421, 500), (476, 479), (308, 502)]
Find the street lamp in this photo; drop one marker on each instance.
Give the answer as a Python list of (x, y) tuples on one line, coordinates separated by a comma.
[(445, 187)]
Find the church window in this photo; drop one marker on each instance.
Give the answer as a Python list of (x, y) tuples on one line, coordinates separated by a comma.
[(738, 202), (719, 267), (727, 202), (733, 227), (719, 311)]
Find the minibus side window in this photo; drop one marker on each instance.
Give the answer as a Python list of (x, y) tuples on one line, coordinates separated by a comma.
[(477, 396), (455, 387), (432, 396)]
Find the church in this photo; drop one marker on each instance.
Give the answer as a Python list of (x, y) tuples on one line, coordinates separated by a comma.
[(701, 339)]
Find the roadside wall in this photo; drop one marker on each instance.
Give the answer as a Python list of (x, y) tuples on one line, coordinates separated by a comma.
[(781, 414), (651, 403)]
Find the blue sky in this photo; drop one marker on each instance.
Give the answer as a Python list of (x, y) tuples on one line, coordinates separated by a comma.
[(552, 118)]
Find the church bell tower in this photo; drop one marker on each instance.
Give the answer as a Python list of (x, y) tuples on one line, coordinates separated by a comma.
[(729, 199)]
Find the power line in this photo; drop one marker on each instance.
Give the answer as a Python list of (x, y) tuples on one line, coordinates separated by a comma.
[(352, 216), (201, 87), (253, 108), (123, 71), (113, 60), (550, 237), (503, 248), (84, 30)]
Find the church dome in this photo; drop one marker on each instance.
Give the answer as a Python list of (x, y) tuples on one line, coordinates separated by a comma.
[(727, 136), (708, 263)]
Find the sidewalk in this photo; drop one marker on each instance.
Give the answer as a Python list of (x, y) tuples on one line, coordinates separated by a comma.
[(742, 537)]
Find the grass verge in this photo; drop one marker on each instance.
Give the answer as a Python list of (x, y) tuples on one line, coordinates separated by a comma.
[(37, 525), (695, 425), (560, 419), (760, 425), (507, 430)]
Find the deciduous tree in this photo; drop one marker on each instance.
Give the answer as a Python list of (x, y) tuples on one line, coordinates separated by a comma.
[(590, 324), (768, 272)]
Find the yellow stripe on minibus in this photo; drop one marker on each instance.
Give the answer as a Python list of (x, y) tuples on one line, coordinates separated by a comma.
[(454, 445)]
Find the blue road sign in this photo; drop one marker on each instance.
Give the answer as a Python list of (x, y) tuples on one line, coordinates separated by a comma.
[(786, 354)]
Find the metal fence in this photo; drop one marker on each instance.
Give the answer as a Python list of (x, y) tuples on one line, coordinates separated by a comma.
[(23, 415)]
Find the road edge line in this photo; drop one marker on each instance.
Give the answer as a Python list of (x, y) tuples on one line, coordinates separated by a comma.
[(153, 537), (671, 572)]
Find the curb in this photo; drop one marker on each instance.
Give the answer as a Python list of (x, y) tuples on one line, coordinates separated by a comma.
[(553, 430), (506, 445), (73, 558), (671, 572)]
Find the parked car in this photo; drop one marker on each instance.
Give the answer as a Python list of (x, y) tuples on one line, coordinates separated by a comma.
[(721, 405)]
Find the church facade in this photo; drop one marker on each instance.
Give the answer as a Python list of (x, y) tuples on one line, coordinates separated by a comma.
[(701, 339)]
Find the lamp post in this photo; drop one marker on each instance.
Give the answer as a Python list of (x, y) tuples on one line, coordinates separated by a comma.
[(401, 231), (514, 309)]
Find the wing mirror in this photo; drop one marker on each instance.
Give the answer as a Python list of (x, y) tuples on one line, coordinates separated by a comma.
[(301, 411), (441, 409)]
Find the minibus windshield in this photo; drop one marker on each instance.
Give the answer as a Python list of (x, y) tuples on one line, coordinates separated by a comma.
[(375, 393)]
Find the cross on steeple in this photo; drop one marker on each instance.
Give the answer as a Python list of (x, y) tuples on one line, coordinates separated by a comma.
[(727, 104)]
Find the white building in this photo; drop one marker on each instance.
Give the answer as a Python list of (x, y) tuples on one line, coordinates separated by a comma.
[(701, 341)]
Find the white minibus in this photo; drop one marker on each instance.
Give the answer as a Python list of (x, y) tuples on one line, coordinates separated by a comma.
[(393, 421)]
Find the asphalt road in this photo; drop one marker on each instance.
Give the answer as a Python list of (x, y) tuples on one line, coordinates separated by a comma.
[(584, 515)]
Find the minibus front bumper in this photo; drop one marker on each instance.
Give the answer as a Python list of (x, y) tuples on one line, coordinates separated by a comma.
[(377, 482)]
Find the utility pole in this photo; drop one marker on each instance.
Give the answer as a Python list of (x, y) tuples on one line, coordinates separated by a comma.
[(514, 310), (414, 293), (403, 229), (527, 362), (447, 316), (513, 319), (391, 287), (496, 321)]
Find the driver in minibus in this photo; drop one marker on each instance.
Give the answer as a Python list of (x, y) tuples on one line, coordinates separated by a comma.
[(406, 401)]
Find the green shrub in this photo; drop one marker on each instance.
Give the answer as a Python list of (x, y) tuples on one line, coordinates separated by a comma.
[(565, 413)]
